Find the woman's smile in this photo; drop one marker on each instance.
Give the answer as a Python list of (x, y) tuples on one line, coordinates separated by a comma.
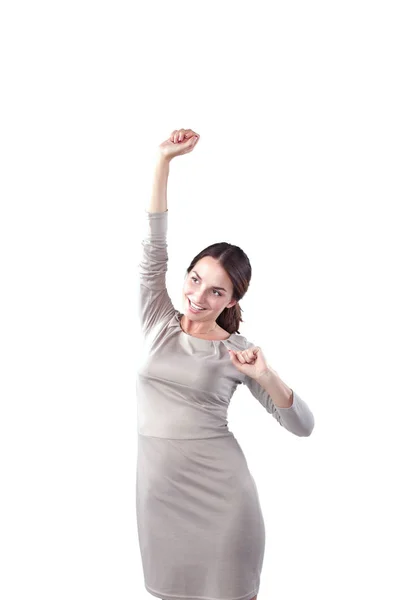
[(194, 307)]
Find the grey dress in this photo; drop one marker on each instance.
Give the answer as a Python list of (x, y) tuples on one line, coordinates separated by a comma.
[(200, 525)]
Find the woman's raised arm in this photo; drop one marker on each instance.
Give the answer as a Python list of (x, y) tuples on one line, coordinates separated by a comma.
[(181, 141), (158, 201)]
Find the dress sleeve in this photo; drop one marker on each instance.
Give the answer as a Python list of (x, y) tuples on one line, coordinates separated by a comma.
[(154, 301), (297, 419)]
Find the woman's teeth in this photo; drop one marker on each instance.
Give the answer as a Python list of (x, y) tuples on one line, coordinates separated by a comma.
[(197, 308)]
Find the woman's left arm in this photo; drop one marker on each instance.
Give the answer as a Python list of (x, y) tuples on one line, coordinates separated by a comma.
[(284, 403), (265, 384)]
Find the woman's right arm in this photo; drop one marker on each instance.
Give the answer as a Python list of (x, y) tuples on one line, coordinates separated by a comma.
[(181, 141), (155, 305), (158, 200)]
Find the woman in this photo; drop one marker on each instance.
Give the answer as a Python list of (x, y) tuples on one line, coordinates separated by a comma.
[(200, 526)]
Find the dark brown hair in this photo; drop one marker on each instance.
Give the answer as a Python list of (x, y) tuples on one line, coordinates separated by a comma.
[(237, 266)]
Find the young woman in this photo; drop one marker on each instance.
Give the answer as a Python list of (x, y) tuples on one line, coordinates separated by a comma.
[(200, 526)]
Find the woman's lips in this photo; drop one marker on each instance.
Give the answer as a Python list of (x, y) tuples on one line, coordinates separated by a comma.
[(190, 306)]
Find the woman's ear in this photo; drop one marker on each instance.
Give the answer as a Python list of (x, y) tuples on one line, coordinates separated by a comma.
[(231, 303)]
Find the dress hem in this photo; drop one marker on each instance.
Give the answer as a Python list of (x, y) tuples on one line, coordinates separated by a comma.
[(175, 596)]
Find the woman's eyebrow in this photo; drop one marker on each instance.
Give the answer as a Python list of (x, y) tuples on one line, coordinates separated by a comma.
[(213, 286)]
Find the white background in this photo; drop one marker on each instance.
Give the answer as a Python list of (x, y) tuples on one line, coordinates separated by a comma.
[(297, 106)]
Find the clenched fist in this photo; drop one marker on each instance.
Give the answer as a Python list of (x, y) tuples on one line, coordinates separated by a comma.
[(181, 141), (251, 362)]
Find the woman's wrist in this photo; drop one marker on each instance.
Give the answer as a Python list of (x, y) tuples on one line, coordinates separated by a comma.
[(161, 159)]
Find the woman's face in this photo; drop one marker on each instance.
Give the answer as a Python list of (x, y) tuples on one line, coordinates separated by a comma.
[(208, 286)]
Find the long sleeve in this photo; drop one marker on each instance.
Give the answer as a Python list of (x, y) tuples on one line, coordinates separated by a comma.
[(154, 300), (297, 419)]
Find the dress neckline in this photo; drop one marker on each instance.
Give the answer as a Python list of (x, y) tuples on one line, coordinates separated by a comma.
[(180, 315)]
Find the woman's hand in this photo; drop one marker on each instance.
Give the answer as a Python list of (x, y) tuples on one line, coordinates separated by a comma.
[(181, 141), (251, 362)]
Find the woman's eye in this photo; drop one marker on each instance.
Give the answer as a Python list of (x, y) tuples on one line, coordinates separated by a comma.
[(195, 278)]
